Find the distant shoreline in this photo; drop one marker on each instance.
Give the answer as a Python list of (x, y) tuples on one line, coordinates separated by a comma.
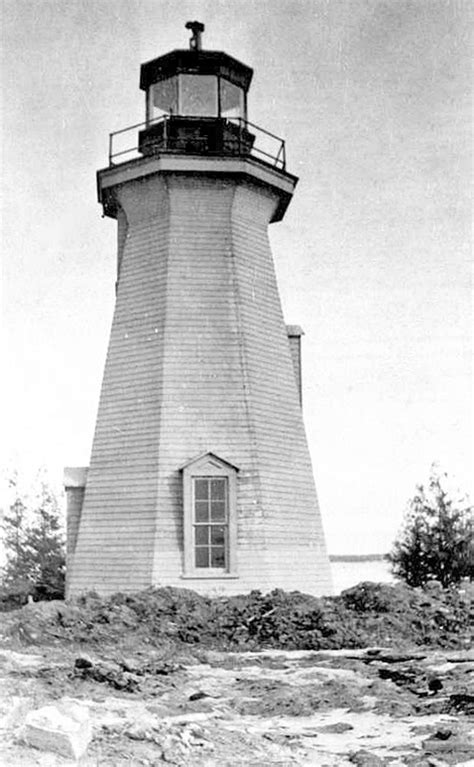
[(357, 557)]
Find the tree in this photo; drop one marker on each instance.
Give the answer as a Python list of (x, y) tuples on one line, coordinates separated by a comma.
[(34, 544), (437, 537)]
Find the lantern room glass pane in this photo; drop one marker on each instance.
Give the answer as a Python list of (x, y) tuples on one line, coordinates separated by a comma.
[(163, 98), (198, 95), (232, 99)]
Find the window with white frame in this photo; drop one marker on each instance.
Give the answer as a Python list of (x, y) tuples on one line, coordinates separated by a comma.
[(210, 524), (210, 521)]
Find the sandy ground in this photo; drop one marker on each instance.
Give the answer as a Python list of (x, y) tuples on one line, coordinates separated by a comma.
[(215, 709)]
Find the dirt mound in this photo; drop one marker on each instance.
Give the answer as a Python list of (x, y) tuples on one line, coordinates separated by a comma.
[(431, 616), (368, 614)]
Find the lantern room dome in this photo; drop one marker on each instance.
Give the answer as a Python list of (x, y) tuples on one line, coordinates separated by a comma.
[(195, 62)]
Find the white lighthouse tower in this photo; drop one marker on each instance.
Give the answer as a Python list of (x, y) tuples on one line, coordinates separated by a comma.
[(200, 474)]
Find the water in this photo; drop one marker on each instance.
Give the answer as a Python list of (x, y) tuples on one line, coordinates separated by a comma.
[(347, 574)]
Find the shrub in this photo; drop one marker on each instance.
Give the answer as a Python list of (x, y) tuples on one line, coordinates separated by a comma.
[(436, 541), (34, 544)]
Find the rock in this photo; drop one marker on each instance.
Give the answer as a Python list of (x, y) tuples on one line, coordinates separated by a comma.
[(137, 731), (466, 657), (132, 666), (198, 695), (190, 718), (107, 668), (443, 733), (280, 738), (64, 728), (417, 760), (462, 701), (447, 740), (453, 745), (397, 657), (17, 709), (336, 727), (43, 610), (437, 705), (310, 732), (107, 672), (400, 676), (83, 662), (364, 758), (435, 684), (163, 668)]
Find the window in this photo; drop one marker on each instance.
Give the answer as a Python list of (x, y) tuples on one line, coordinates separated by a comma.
[(232, 99), (210, 521), (195, 96), (198, 95), (210, 526), (163, 98)]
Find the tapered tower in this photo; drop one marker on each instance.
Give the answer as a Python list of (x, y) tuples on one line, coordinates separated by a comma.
[(200, 474)]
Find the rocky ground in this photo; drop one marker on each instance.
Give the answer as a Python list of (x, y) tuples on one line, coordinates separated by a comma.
[(155, 700)]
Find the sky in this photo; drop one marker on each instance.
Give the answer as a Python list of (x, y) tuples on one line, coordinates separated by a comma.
[(373, 98)]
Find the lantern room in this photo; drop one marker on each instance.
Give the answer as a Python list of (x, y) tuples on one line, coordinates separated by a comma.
[(196, 101), (195, 84)]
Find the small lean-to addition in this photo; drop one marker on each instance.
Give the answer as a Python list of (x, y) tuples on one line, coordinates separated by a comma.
[(200, 474)]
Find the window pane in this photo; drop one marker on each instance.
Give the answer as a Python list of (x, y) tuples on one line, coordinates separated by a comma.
[(164, 97), (201, 488), (201, 511), (201, 533), (202, 556), (218, 489), (217, 511), (198, 95), (217, 556), (232, 99), (218, 535)]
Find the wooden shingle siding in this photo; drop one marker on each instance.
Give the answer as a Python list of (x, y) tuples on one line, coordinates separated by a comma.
[(114, 547), (198, 361)]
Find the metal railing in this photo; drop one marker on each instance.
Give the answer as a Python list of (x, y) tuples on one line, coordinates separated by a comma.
[(175, 134)]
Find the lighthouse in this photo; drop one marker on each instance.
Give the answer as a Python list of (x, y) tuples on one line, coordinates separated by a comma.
[(200, 474)]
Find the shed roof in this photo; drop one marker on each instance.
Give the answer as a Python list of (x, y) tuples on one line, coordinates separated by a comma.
[(294, 330), (75, 476)]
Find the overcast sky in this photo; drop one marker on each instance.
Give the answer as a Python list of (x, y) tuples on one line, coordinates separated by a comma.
[(372, 258)]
